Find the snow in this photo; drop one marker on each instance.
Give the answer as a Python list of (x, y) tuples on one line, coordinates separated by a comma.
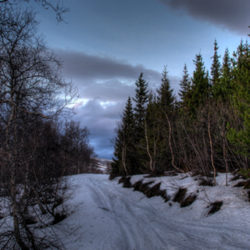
[(104, 215), (103, 165)]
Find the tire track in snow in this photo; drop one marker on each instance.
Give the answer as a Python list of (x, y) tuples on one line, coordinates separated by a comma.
[(138, 223), (131, 225), (138, 228)]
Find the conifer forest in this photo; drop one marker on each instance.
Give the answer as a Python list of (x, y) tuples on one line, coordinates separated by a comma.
[(205, 129)]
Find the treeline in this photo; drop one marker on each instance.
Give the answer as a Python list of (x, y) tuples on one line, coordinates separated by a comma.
[(206, 130), (36, 148)]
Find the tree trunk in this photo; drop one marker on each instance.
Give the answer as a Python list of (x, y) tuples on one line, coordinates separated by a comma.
[(211, 146), (124, 159), (16, 221), (224, 151), (170, 144), (148, 149)]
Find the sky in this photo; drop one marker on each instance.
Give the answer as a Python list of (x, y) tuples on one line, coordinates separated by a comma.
[(105, 45)]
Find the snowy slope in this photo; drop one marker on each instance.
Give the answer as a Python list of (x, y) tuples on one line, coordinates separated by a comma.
[(107, 216)]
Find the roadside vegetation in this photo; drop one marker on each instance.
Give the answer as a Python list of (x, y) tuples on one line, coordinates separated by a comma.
[(36, 147), (204, 130)]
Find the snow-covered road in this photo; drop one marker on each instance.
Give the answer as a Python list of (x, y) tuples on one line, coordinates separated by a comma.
[(109, 217)]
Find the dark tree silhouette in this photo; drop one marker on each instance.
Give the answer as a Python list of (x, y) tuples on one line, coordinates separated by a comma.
[(56, 6)]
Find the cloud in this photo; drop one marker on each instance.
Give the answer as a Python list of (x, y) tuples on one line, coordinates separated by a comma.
[(104, 85), (103, 77), (232, 14), (84, 66), (109, 90), (102, 122)]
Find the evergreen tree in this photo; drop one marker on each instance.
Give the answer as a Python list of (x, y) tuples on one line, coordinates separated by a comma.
[(166, 101), (141, 101), (224, 89), (200, 85), (239, 54), (123, 162), (185, 85), (226, 66), (152, 133), (240, 135), (116, 165), (215, 69), (165, 93)]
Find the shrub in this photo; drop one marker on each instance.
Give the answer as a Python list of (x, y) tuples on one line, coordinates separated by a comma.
[(245, 173), (215, 207), (188, 201), (206, 182), (180, 195)]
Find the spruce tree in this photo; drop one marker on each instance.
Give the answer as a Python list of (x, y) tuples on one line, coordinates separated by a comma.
[(224, 88), (240, 135), (166, 102), (215, 69), (165, 93), (185, 85), (239, 54), (200, 85), (226, 66), (116, 165), (141, 101), (123, 162), (152, 133)]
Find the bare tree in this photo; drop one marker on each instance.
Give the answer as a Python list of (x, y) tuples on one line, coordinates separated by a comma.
[(30, 90), (56, 6), (77, 153)]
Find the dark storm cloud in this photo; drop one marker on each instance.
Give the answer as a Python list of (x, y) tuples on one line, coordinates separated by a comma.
[(106, 78), (233, 14), (84, 66)]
